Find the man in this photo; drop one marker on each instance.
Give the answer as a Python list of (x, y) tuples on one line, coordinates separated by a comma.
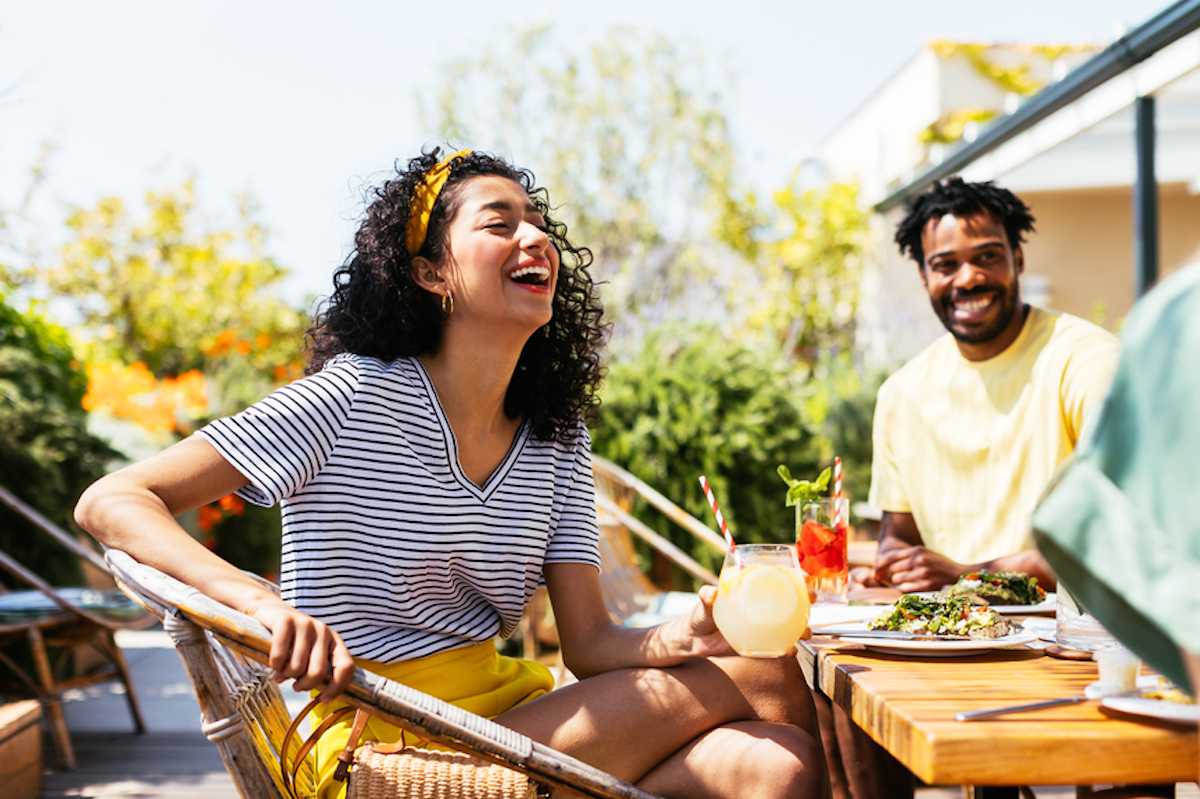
[(969, 432), (1121, 524)]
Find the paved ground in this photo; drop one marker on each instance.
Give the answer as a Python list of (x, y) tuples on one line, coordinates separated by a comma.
[(174, 760)]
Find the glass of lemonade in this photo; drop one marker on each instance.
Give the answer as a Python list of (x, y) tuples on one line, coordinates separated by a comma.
[(821, 537), (762, 602)]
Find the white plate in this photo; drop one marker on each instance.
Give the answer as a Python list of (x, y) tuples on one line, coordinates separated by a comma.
[(944, 649), (1047, 605), (1153, 709), (826, 614), (1043, 628)]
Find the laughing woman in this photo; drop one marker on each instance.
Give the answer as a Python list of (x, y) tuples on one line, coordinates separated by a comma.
[(433, 470)]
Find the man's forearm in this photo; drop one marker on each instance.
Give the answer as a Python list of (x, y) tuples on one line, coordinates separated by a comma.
[(1029, 561)]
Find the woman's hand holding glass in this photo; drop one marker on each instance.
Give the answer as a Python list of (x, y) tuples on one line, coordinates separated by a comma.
[(704, 639), (305, 649)]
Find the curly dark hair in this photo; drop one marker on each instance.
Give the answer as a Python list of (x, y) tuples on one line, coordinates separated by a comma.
[(377, 309), (958, 197)]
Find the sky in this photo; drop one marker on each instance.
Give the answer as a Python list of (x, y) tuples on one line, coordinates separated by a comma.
[(304, 105)]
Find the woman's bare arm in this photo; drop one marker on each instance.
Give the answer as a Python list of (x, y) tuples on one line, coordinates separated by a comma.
[(134, 510), (592, 644)]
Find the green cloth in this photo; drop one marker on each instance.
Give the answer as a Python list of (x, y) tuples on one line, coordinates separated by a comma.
[(1120, 523)]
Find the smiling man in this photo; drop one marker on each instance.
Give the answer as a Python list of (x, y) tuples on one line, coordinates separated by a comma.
[(969, 432)]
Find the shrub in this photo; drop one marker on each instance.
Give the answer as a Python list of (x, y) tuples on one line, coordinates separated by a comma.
[(47, 456), (695, 402)]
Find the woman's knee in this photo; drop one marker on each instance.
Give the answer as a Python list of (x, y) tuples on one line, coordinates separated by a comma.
[(774, 687), (789, 761)]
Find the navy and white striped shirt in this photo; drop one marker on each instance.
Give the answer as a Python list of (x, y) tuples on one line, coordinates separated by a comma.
[(384, 538)]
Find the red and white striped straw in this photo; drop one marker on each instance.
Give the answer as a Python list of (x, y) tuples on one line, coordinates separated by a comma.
[(837, 492), (712, 503)]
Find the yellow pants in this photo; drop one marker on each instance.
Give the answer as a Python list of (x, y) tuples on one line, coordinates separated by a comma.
[(476, 678)]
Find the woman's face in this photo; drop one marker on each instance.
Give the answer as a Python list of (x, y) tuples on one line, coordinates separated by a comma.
[(501, 266)]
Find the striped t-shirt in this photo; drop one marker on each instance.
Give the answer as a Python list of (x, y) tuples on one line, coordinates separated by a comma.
[(384, 537)]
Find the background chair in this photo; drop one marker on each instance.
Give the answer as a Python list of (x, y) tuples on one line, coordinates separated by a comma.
[(225, 654), (631, 598), (57, 623)]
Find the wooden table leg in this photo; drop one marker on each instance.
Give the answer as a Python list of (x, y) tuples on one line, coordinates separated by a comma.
[(118, 659), (51, 700)]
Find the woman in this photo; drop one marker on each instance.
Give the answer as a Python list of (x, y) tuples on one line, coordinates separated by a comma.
[(433, 470)]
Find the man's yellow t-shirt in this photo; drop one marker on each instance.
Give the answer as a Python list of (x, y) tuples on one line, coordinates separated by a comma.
[(967, 447)]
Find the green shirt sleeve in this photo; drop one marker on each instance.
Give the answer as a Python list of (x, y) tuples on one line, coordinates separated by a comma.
[(1121, 523)]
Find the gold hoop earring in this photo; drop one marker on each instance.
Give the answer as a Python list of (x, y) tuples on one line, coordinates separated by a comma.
[(447, 303)]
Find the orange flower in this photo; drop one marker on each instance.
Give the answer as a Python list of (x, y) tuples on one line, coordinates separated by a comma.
[(262, 341), (132, 392), (232, 504), (207, 516), (287, 372), (220, 345)]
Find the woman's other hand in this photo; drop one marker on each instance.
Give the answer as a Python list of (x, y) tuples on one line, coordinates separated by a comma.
[(305, 649)]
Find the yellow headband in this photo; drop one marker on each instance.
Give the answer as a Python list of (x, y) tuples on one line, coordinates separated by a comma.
[(425, 194)]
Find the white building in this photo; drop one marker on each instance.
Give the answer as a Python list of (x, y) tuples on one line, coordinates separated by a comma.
[(1075, 169)]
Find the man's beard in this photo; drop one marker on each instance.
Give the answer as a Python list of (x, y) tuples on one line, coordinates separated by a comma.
[(1009, 300)]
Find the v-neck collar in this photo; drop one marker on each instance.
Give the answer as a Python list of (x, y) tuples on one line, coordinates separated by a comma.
[(493, 481)]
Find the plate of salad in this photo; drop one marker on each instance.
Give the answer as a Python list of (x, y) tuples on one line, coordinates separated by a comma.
[(1004, 592), (942, 626)]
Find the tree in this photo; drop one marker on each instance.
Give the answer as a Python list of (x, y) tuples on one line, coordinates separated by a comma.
[(812, 271), (179, 322), (630, 135), (162, 296), (47, 455)]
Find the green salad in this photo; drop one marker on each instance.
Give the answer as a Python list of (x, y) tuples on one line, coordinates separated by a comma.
[(940, 614), (999, 588)]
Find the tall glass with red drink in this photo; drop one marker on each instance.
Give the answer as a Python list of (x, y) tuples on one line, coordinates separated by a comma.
[(821, 533)]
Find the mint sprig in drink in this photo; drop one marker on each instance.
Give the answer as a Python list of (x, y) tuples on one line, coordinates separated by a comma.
[(822, 526)]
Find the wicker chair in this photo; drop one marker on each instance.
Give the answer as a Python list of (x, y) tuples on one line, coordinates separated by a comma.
[(224, 653)]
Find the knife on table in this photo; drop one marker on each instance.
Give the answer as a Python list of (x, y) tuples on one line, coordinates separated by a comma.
[(851, 632), (972, 715)]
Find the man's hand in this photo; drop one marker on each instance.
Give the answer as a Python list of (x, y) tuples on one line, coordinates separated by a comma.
[(916, 568), (306, 649)]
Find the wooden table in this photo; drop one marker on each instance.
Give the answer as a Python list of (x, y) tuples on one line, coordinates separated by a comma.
[(907, 705), (21, 749)]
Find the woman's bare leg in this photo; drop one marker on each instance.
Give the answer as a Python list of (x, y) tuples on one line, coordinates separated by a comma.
[(745, 759), (661, 725)]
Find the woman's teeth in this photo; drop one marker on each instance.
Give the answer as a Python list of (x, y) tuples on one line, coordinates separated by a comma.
[(531, 274)]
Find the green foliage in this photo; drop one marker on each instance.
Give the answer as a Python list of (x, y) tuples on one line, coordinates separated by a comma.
[(812, 271), (949, 127), (629, 134), (250, 540), (802, 491), (47, 456), (159, 286), (693, 402), (173, 308)]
